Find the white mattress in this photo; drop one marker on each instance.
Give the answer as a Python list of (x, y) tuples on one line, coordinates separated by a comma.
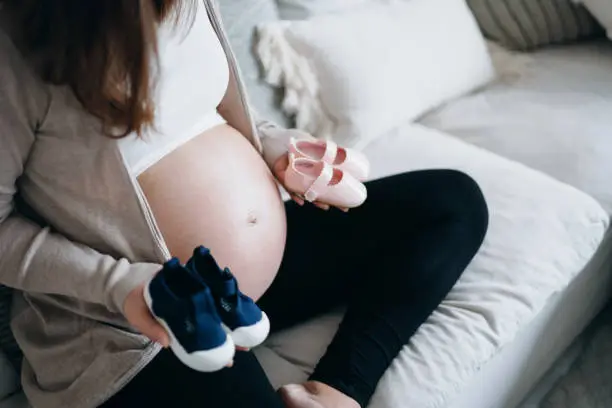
[(542, 234), (556, 117)]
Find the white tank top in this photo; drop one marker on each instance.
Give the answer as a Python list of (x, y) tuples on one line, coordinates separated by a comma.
[(193, 78)]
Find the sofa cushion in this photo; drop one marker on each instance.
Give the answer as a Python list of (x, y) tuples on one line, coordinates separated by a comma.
[(542, 233), (524, 25)]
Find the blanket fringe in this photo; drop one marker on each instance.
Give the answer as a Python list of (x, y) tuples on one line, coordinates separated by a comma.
[(285, 68)]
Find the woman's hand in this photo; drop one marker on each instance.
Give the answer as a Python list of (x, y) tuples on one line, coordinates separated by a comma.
[(280, 168), (138, 314)]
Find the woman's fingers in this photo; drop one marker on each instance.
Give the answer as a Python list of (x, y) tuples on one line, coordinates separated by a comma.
[(280, 168), (159, 333), (324, 206), (138, 314), (299, 200), (148, 326), (151, 327)]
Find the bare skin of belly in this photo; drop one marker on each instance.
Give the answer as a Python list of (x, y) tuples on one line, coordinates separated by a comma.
[(217, 191)]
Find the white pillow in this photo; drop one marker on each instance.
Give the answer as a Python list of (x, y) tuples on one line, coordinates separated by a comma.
[(602, 10), (356, 75)]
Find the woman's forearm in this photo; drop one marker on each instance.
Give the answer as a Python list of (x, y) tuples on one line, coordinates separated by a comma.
[(35, 259)]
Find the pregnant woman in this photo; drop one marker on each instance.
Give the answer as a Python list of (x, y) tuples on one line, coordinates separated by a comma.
[(126, 139)]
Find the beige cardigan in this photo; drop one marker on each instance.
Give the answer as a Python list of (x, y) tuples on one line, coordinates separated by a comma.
[(98, 240)]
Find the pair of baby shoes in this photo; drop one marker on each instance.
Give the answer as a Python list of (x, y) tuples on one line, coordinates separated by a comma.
[(321, 171), (204, 312)]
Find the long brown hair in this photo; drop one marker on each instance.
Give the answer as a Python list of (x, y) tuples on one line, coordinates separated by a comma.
[(105, 50)]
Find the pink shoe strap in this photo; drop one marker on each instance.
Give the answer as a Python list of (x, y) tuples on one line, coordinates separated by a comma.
[(331, 151), (320, 185)]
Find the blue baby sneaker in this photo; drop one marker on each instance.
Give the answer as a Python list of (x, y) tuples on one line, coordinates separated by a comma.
[(242, 318), (185, 307)]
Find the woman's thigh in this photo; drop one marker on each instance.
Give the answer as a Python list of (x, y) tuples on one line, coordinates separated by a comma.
[(331, 255), (166, 383)]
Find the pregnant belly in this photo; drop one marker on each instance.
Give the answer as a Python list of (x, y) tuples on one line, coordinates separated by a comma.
[(217, 191)]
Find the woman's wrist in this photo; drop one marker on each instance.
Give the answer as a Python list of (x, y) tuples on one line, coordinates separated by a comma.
[(276, 140), (139, 273), (137, 313)]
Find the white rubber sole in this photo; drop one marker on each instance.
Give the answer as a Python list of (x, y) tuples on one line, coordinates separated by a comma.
[(206, 360), (250, 336)]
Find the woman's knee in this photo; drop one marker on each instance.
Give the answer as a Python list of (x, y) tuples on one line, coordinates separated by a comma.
[(454, 195), (438, 194), (467, 216), (450, 189), (467, 203)]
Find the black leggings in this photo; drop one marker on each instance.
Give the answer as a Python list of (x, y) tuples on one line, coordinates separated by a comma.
[(392, 261)]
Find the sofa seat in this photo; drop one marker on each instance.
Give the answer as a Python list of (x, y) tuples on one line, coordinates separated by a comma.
[(542, 234), (555, 116)]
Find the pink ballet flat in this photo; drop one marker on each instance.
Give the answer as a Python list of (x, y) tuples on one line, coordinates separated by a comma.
[(348, 160), (319, 181)]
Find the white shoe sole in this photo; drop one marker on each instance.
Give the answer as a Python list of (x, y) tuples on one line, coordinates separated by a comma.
[(250, 336), (206, 360)]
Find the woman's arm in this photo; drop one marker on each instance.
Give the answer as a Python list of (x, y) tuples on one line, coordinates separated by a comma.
[(34, 258), (275, 140)]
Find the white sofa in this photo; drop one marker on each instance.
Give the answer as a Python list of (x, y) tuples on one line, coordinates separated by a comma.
[(539, 278), (544, 269)]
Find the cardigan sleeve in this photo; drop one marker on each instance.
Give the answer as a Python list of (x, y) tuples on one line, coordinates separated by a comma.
[(34, 258)]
